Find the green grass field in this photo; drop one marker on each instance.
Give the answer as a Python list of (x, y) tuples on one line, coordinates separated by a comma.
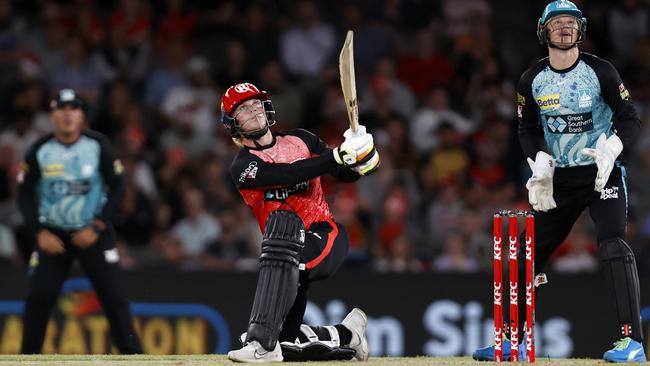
[(216, 360)]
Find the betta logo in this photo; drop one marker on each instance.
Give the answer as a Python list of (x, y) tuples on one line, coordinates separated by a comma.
[(514, 293), (497, 248), (497, 293), (512, 247), (548, 102)]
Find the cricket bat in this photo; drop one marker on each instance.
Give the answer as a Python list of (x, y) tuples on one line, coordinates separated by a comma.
[(348, 83)]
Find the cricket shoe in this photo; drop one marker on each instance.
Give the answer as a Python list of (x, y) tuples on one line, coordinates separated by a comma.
[(356, 321), (625, 350), (487, 353), (253, 352)]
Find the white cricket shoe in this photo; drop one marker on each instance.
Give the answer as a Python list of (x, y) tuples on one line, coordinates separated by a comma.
[(253, 352), (356, 321)]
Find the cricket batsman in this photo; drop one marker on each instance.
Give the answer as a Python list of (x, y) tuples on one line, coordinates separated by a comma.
[(576, 124), (278, 176)]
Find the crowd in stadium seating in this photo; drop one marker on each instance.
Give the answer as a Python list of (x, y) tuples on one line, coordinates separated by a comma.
[(436, 88)]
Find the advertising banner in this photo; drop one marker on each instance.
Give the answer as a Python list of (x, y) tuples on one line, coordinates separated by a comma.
[(409, 314)]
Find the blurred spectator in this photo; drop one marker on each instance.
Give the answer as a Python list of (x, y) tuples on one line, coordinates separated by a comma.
[(198, 228), (10, 32), (372, 40), (307, 46), (261, 37), (168, 75), (387, 90), (76, 72), (194, 103), (400, 258), (449, 161), (178, 22), (231, 250), (134, 219), (435, 88), (628, 22), (580, 255), (287, 99), (425, 67), (455, 257), (236, 67), (444, 214), (8, 250), (427, 120)]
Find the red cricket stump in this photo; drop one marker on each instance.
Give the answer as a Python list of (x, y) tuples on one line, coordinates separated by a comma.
[(498, 286), (530, 287), (513, 253)]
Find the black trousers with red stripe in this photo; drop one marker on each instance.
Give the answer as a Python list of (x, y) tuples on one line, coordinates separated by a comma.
[(326, 245)]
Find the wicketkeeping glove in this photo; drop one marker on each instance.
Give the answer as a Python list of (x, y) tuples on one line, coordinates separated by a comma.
[(605, 154), (540, 184)]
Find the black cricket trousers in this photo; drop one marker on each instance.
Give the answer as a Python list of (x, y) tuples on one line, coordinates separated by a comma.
[(47, 274)]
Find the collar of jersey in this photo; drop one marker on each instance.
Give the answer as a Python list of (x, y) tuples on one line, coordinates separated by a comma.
[(564, 71), (265, 146)]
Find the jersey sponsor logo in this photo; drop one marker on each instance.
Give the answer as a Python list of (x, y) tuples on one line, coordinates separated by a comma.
[(623, 92), (53, 170), (609, 193), (570, 123), (87, 170), (111, 255), (281, 194), (22, 170), (585, 99), (118, 167), (548, 102), (61, 188), (521, 100), (249, 173)]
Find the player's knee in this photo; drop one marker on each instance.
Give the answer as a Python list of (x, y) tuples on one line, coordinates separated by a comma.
[(284, 237), (614, 248)]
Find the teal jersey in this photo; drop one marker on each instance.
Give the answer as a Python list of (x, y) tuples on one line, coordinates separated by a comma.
[(571, 108), (71, 184)]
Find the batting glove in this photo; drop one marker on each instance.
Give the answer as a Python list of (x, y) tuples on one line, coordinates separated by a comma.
[(357, 148), (605, 154), (540, 184), (370, 166)]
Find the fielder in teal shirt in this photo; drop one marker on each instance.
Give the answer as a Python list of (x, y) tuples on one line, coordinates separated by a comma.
[(70, 185)]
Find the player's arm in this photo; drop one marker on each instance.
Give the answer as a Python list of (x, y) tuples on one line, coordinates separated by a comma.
[(112, 172), (28, 178), (626, 120), (318, 147), (250, 172), (530, 132)]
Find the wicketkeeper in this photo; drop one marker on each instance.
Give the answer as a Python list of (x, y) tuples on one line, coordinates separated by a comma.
[(576, 123)]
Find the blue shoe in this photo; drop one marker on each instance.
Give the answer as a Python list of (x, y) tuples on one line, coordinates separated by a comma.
[(625, 350), (487, 353)]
